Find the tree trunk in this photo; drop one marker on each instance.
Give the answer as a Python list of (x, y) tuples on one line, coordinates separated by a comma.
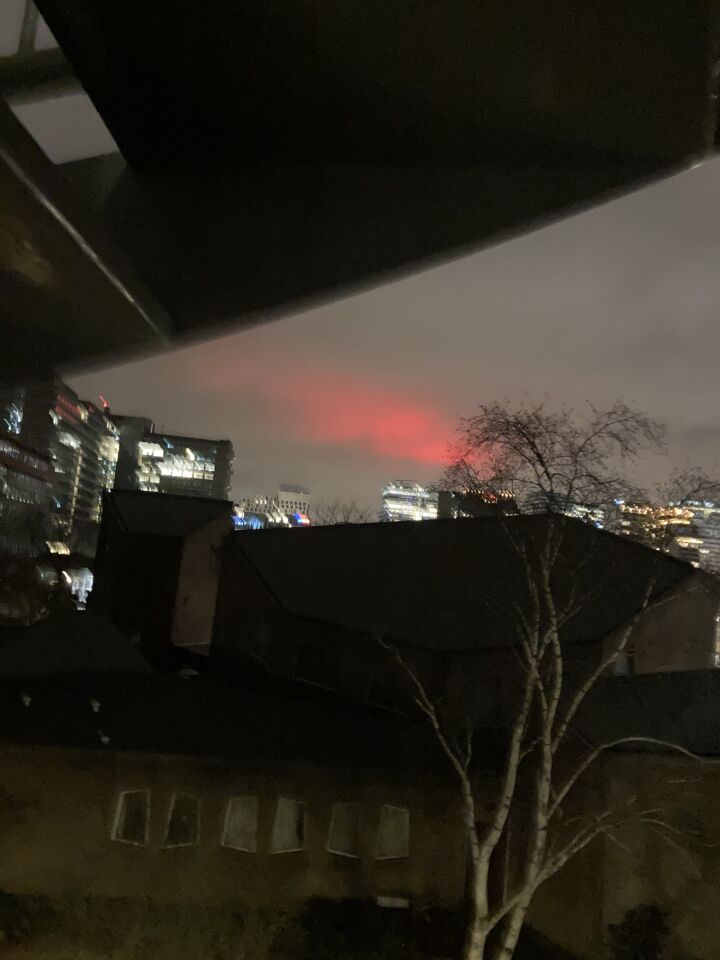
[(476, 941), (511, 933)]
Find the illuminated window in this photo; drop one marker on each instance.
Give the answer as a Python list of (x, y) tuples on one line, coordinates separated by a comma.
[(241, 823), (132, 818), (343, 835), (68, 440), (288, 833), (151, 450), (393, 837), (183, 822)]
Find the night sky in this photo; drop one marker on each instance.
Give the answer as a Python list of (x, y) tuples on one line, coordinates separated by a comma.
[(619, 302)]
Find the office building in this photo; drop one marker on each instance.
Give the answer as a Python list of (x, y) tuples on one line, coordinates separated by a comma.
[(704, 523), (290, 501), (542, 502), (77, 437), (261, 514), (25, 499), (157, 462), (11, 411), (294, 499), (456, 505), (405, 500)]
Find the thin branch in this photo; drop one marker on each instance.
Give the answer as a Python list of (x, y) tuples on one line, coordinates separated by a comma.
[(603, 748)]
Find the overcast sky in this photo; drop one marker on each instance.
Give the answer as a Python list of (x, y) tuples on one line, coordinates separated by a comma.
[(619, 302)]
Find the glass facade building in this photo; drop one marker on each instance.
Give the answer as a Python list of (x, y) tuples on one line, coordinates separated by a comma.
[(25, 499), (82, 444), (166, 463), (405, 500)]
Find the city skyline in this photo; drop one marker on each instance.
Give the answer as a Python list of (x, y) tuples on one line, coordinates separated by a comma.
[(619, 301)]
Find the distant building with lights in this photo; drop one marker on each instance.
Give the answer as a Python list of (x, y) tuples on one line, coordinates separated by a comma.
[(79, 440), (293, 498), (156, 462), (289, 505), (456, 505), (542, 502), (705, 532), (405, 500), (25, 498), (258, 514)]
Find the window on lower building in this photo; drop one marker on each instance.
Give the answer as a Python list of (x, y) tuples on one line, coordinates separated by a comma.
[(289, 828), (393, 837), (314, 665), (132, 817), (343, 835), (183, 822), (241, 824)]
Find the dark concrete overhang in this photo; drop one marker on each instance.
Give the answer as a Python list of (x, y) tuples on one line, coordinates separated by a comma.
[(279, 153)]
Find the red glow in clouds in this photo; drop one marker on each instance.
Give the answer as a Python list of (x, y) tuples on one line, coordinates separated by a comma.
[(309, 403)]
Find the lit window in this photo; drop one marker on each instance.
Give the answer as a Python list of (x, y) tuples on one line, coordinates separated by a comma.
[(393, 838), (132, 818), (289, 828), (183, 822), (241, 823), (344, 829)]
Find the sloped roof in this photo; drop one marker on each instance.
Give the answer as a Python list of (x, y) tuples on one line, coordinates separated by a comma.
[(451, 584), (69, 643), (203, 718), (164, 514)]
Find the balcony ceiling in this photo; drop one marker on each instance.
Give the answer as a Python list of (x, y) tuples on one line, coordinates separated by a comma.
[(278, 153)]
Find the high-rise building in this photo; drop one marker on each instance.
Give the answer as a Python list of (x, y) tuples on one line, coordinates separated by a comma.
[(25, 498), (405, 500), (11, 412), (159, 462), (77, 437)]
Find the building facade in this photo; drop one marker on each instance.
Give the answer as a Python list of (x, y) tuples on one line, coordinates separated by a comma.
[(290, 505), (405, 500), (156, 570), (259, 514), (156, 462), (705, 532), (81, 442), (25, 498)]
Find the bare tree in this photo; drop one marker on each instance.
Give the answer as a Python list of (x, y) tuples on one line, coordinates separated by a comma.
[(543, 761), (329, 512), (561, 461), (553, 455)]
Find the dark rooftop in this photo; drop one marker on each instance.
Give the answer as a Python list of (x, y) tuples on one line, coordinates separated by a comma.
[(169, 515), (450, 584), (71, 643), (204, 718)]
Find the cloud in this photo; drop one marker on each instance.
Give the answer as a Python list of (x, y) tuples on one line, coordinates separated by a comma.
[(307, 400)]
